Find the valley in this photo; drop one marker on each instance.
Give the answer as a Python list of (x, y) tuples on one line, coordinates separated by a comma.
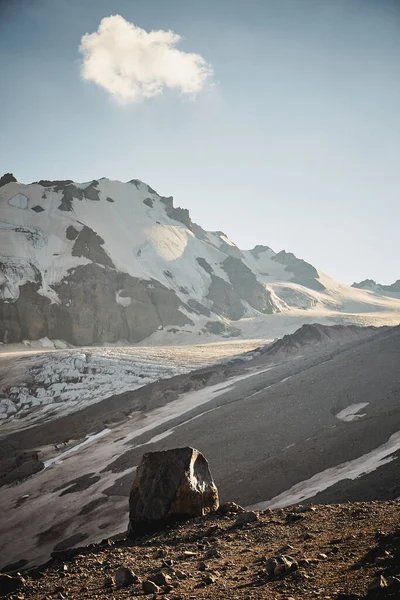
[(272, 428)]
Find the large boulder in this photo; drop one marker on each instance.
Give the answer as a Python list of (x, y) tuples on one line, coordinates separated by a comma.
[(171, 485)]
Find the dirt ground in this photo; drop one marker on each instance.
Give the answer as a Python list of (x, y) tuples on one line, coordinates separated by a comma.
[(337, 552)]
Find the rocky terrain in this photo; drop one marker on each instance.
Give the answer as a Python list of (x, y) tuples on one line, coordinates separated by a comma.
[(105, 261), (370, 284), (314, 417), (349, 551)]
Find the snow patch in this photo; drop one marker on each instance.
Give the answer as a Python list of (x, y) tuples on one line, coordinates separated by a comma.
[(349, 470), (350, 413), (122, 300), (90, 438), (19, 201)]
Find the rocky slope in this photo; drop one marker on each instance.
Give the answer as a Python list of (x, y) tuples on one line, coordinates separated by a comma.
[(317, 423), (105, 261), (343, 552)]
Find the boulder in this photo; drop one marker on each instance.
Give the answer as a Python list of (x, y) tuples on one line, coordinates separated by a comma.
[(171, 485)]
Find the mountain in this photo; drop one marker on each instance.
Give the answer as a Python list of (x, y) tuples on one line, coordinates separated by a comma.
[(370, 284), (105, 261)]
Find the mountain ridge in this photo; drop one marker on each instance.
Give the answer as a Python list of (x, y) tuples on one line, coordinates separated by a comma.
[(104, 261)]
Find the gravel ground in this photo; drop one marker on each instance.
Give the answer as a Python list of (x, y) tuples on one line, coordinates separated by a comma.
[(335, 551)]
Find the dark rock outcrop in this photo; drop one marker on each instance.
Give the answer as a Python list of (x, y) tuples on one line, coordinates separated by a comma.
[(259, 249), (247, 286), (88, 312), (169, 486), (225, 299), (89, 245), (370, 284), (205, 265), (7, 178), (178, 214), (198, 307), (304, 273), (219, 328)]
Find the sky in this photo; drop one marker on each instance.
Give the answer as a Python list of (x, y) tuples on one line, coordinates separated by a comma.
[(277, 122)]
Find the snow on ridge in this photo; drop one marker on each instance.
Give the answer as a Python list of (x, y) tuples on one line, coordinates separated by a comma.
[(144, 242)]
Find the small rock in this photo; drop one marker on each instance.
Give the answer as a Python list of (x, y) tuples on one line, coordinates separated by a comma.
[(293, 517), (160, 553), (108, 583), (322, 556), (125, 577), (167, 563), (9, 585), (393, 581), (180, 574), (161, 579), (149, 587), (245, 517), (213, 553), (281, 565), (227, 508), (286, 548), (209, 579), (189, 554), (378, 583), (201, 566)]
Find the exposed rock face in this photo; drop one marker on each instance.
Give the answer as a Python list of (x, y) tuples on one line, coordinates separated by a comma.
[(7, 178), (259, 249), (176, 213), (304, 273), (87, 313), (89, 245), (247, 285), (170, 486), (370, 284), (225, 299)]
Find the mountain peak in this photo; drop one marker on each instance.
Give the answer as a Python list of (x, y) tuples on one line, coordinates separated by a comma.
[(105, 261)]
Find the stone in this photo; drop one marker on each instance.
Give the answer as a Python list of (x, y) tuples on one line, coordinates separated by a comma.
[(170, 485), (213, 553), (293, 517), (161, 579), (281, 565), (379, 583), (227, 508), (125, 577), (9, 585), (245, 517), (209, 579), (108, 583), (149, 587)]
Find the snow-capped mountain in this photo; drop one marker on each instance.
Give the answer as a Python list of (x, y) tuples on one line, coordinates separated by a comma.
[(106, 261), (370, 284)]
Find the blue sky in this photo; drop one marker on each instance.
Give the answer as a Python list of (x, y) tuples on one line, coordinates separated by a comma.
[(294, 142)]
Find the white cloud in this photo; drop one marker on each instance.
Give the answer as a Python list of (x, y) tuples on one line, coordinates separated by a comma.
[(132, 64)]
